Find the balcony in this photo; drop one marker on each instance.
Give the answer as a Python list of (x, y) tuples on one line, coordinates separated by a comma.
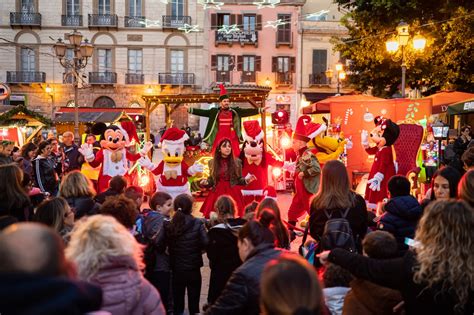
[(170, 21), (243, 37), (25, 19), (71, 20), (249, 76), (223, 76), (135, 21), (318, 79), (26, 77), (102, 77), (284, 78), (176, 78), (103, 20), (134, 78), (284, 37)]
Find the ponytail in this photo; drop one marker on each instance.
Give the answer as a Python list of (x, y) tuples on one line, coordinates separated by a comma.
[(183, 205), (258, 232)]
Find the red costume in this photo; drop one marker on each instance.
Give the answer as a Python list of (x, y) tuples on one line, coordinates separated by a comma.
[(226, 130), (383, 162)]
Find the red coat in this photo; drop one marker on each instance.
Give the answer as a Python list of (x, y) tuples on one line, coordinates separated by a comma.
[(383, 163), (174, 185)]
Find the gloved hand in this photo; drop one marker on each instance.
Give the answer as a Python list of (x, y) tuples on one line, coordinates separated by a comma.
[(364, 138), (195, 168), (146, 148), (289, 166), (375, 181), (87, 151), (250, 178), (145, 162), (349, 144)]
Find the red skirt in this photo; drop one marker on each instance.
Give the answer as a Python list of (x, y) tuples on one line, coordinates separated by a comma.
[(223, 188)]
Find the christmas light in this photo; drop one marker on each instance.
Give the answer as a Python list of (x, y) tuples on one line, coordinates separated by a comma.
[(189, 28), (275, 24), (266, 4), (210, 4), (228, 29)]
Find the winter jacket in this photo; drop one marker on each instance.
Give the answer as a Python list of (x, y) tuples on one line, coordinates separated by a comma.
[(125, 291), (400, 218), (334, 298), (223, 254), (398, 274), (28, 294), (44, 174), (73, 158), (367, 298), (242, 292), (357, 217), (186, 249), (83, 206), (100, 198), (153, 230)]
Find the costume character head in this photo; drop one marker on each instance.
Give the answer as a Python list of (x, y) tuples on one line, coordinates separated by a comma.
[(253, 147), (172, 146), (112, 137), (385, 132)]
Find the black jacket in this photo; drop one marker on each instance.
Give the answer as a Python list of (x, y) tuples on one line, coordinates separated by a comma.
[(398, 274), (100, 198), (153, 230), (400, 218), (242, 293), (83, 206), (186, 249), (73, 158), (37, 295), (44, 174), (357, 217)]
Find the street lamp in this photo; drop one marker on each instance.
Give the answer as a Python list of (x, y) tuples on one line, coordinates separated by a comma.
[(401, 40), (49, 90), (341, 75), (82, 52)]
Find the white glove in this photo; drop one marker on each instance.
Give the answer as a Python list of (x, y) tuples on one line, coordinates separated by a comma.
[(145, 162), (289, 166), (195, 168), (375, 181), (146, 148), (349, 144), (87, 151), (364, 138)]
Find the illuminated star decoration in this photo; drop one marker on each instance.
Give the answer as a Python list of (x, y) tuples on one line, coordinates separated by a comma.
[(228, 29), (210, 4), (149, 23), (266, 4), (189, 28), (316, 14), (275, 24)]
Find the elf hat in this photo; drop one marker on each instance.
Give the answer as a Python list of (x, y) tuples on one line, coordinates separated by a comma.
[(174, 136), (253, 131), (270, 192), (223, 93)]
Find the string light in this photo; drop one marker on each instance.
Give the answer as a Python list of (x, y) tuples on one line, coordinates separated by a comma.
[(228, 29), (275, 24), (210, 4), (189, 28), (266, 4), (316, 14)]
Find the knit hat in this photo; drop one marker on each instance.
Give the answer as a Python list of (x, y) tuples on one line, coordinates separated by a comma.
[(174, 136), (253, 131), (223, 93), (270, 192), (306, 129)]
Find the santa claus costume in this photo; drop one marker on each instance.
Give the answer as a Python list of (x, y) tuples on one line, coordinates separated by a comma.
[(384, 136), (171, 174)]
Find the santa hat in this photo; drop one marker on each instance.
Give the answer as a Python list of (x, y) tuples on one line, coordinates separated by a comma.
[(306, 129), (253, 131), (129, 131), (174, 136), (270, 192), (223, 93)]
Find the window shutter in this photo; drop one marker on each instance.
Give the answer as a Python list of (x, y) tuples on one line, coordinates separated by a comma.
[(213, 21), (240, 21), (240, 62), (258, 63), (213, 62), (259, 22), (292, 64), (274, 64), (232, 19), (231, 63)]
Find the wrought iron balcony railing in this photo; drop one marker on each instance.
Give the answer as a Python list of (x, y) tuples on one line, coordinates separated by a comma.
[(135, 21), (284, 78), (28, 19), (103, 20), (249, 76), (318, 78), (176, 78), (171, 21), (26, 77), (134, 78), (102, 77), (223, 76), (71, 20)]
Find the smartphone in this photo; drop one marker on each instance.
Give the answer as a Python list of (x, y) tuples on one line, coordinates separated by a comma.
[(411, 242)]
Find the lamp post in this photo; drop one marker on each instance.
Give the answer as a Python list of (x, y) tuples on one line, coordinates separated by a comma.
[(401, 41), (82, 52), (440, 132)]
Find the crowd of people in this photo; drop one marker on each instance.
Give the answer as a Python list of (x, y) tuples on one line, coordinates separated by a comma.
[(73, 251)]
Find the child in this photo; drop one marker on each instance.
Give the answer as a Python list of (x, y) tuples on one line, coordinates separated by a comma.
[(336, 285), (157, 261), (186, 238), (225, 173)]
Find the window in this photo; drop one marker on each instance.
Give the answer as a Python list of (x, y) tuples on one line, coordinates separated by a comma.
[(104, 60), (69, 54), (223, 19), (319, 66), (223, 63), (249, 23), (284, 31), (27, 6), (72, 7), (135, 7), (283, 64), (248, 64), (28, 60), (177, 61), (135, 57), (104, 7), (177, 8)]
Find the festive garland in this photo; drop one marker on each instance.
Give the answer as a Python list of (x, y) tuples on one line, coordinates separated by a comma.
[(7, 119)]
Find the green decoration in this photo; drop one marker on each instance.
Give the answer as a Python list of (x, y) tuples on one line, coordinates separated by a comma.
[(6, 119)]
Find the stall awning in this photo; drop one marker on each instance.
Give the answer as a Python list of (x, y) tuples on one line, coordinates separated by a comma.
[(442, 100), (463, 107), (94, 114)]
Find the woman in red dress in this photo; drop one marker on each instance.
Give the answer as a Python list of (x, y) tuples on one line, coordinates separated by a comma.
[(225, 172)]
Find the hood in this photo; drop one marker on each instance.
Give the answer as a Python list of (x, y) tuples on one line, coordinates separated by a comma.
[(406, 207)]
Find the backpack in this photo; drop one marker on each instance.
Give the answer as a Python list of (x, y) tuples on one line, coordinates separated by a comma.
[(338, 233)]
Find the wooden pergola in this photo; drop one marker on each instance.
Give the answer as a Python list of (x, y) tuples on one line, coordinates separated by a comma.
[(254, 94)]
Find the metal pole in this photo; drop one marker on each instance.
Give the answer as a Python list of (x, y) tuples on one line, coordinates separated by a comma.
[(76, 112), (404, 70), (338, 83)]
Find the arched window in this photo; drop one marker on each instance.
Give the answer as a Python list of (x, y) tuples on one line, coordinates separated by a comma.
[(104, 101)]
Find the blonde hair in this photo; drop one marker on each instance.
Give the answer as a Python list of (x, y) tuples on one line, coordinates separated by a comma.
[(76, 184), (95, 239), (446, 246)]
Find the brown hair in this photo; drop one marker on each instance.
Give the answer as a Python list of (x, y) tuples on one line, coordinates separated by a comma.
[(225, 205), (121, 208), (231, 170), (76, 184), (159, 199), (468, 157), (289, 286), (466, 188), (258, 232), (278, 228), (380, 245), (52, 212), (334, 190), (13, 196)]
